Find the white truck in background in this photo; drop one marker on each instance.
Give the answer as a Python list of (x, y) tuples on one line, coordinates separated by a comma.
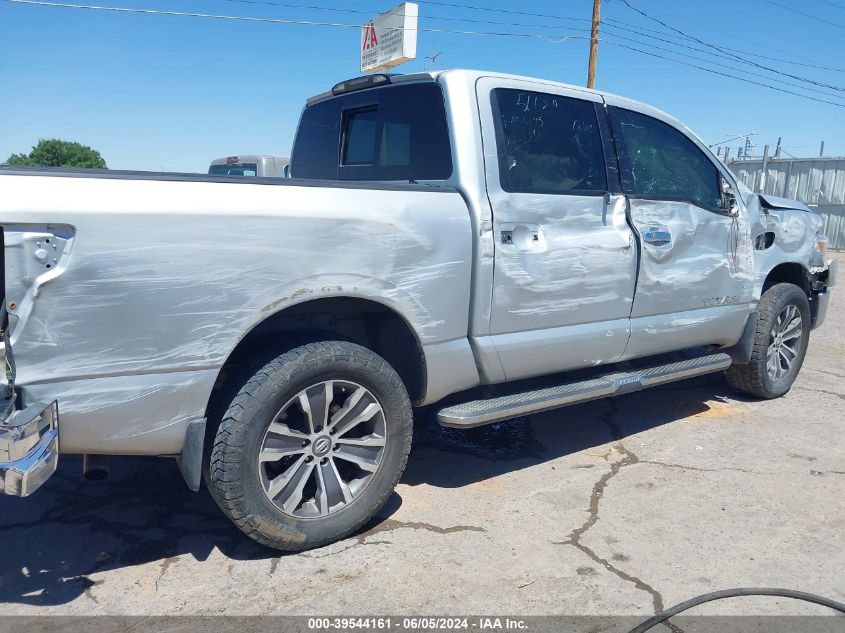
[(250, 166)]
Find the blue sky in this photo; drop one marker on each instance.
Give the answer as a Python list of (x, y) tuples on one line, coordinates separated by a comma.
[(163, 92)]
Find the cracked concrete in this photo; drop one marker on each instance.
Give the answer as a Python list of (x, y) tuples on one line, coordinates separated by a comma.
[(574, 538), (389, 525), (612, 507)]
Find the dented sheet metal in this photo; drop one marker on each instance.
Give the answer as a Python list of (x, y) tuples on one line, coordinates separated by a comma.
[(793, 231), (775, 202), (816, 182), (696, 277), (565, 263), (705, 261), (170, 281)]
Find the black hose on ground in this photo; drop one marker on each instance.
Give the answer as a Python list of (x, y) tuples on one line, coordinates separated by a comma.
[(735, 593)]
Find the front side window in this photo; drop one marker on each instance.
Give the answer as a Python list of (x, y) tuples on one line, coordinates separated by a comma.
[(662, 162), (547, 143)]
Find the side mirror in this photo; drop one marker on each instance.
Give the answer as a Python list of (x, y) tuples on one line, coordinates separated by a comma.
[(729, 199)]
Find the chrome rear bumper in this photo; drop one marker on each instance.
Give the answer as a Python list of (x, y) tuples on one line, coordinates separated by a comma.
[(29, 448)]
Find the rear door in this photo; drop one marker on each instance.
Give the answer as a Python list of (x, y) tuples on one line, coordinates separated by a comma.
[(694, 277), (565, 261)]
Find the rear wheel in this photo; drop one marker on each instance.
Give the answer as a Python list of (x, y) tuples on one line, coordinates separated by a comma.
[(312, 445), (780, 344)]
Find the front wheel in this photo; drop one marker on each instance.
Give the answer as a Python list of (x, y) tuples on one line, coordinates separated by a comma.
[(780, 344), (311, 446)]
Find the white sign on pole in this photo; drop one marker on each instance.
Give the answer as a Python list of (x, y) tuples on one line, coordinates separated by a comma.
[(390, 39)]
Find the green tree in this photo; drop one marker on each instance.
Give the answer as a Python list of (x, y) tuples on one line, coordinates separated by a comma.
[(55, 153)]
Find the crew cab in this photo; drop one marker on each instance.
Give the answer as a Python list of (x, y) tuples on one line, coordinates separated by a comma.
[(440, 231)]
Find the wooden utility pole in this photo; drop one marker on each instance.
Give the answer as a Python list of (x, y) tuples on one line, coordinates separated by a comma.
[(594, 44)]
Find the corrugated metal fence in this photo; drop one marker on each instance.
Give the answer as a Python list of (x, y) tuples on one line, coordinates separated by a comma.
[(817, 182)]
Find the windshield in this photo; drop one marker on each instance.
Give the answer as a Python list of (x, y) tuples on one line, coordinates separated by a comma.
[(236, 169)]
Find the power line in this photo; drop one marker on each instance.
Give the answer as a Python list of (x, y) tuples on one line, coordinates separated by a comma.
[(608, 24), (668, 26), (45, 3), (733, 138), (734, 36), (707, 61), (510, 11), (627, 29), (289, 5), (443, 4), (606, 20), (705, 52), (191, 14), (805, 14), (832, 4), (814, 145), (646, 32), (617, 24), (716, 72)]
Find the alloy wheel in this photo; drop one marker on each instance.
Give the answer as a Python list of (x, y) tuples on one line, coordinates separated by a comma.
[(784, 342), (322, 449)]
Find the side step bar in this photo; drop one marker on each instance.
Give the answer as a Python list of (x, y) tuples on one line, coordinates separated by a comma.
[(480, 412)]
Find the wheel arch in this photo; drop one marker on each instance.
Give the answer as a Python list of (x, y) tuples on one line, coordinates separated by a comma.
[(372, 324), (787, 272)]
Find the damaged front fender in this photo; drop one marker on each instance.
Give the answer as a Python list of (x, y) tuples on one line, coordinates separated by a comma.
[(787, 237)]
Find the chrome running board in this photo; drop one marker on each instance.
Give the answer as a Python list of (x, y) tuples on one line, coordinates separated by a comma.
[(486, 411)]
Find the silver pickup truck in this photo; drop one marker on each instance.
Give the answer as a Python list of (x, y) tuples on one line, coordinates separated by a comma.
[(441, 231)]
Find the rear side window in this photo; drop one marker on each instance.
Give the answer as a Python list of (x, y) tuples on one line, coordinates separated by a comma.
[(659, 161), (547, 143), (388, 133)]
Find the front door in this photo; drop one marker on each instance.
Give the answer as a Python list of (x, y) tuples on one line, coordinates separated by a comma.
[(694, 283), (565, 258)]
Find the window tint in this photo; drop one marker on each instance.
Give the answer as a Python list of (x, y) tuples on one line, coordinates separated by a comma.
[(372, 142), (361, 137), (395, 146), (547, 143), (388, 133), (663, 162)]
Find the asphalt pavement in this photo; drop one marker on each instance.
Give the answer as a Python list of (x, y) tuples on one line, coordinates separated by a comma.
[(622, 506)]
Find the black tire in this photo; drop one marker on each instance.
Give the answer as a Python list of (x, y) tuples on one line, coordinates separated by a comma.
[(234, 475), (754, 378)]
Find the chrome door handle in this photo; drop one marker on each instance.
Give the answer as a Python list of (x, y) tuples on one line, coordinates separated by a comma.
[(523, 237), (657, 237)]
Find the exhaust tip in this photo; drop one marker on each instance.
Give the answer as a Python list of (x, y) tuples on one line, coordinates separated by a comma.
[(95, 467)]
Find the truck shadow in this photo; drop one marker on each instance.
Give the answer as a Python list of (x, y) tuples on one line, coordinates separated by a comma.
[(70, 529), (56, 539), (503, 447)]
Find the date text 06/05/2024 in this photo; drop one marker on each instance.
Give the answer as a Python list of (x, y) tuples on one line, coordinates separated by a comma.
[(417, 623)]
